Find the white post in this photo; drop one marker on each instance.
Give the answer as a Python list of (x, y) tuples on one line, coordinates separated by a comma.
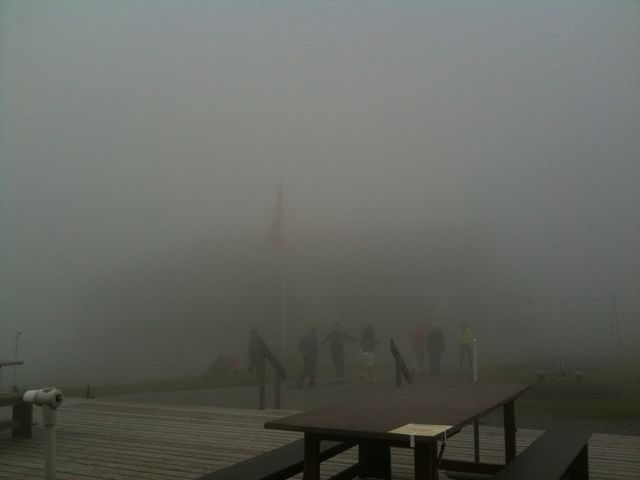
[(475, 359), (49, 416), (49, 399)]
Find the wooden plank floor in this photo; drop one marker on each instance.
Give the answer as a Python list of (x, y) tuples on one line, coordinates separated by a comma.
[(116, 441)]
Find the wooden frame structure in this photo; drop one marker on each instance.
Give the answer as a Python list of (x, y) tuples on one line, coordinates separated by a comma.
[(261, 370)]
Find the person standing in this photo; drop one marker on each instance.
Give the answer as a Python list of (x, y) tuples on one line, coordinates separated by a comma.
[(418, 345), (368, 344), (336, 340), (308, 346), (465, 340), (435, 347)]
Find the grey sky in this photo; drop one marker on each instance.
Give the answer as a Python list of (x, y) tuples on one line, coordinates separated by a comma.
[(129, 130)]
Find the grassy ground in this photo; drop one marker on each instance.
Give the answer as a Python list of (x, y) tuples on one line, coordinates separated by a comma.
[(608, 392)]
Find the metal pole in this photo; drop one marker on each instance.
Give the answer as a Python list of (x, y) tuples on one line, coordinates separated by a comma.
[(15, 358), (614, 308), (283, 319), (261, 368), (475, 359), (476, 424)]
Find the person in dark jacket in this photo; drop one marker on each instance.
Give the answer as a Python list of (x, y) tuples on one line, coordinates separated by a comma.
[(336, 340), (308, 346), (435, 347)]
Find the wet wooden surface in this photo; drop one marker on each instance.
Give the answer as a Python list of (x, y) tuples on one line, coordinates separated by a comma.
[(115, 441), (377, 414)]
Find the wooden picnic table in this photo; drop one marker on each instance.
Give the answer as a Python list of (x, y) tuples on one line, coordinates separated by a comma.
[(417, 416)]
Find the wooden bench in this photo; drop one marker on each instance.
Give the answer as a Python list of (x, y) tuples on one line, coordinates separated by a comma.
[(281, 463), (556, 455), (22, 415)]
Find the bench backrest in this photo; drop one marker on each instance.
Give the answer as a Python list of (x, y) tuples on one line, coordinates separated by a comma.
[(10, 398)]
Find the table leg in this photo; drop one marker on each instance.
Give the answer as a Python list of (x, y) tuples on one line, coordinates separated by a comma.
[(426, 460), (580, 467), (476, 441), (24, 413), (311, 457), (374, 459), (509, 432)]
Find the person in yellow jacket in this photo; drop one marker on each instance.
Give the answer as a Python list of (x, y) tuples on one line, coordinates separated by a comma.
[(465, 339)]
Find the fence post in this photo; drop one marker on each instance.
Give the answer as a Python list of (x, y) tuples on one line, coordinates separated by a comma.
[(277, 392), (475, 359), (261, 367)]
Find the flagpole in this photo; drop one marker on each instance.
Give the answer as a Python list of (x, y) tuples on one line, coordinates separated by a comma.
[(283, 317), (277, 240)]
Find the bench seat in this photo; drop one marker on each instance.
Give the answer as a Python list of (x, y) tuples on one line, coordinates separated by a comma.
[(556, 455), (279, 464), (22, 415)]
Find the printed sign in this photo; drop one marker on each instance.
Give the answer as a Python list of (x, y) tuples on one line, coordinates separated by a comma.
[(421, 430)]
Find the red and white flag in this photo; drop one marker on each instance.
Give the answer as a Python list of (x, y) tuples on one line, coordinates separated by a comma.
[(276, 234)]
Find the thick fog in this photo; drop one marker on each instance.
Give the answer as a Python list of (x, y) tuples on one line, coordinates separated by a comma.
[(441, 161)]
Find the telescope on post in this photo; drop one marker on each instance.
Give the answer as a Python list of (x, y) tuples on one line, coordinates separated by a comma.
[(49, 399)]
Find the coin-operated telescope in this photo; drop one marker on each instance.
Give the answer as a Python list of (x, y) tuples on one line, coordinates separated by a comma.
[(49, 399)]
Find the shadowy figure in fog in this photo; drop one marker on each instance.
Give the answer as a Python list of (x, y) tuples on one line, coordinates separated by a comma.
[(435, 347), (336, 340), (368, 344), (308, 346), (254, 351), (418, 346), (465, 339)]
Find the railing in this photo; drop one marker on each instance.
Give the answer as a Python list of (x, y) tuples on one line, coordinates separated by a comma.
[(267, 354), (401, 366)]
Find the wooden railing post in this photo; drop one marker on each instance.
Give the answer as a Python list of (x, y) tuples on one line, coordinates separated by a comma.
[(267, 354), (401, 366)]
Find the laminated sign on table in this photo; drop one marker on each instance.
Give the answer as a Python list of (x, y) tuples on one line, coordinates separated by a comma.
[(421, 430)]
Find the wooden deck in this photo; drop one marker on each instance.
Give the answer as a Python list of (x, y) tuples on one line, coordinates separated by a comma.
[(109, 440)]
